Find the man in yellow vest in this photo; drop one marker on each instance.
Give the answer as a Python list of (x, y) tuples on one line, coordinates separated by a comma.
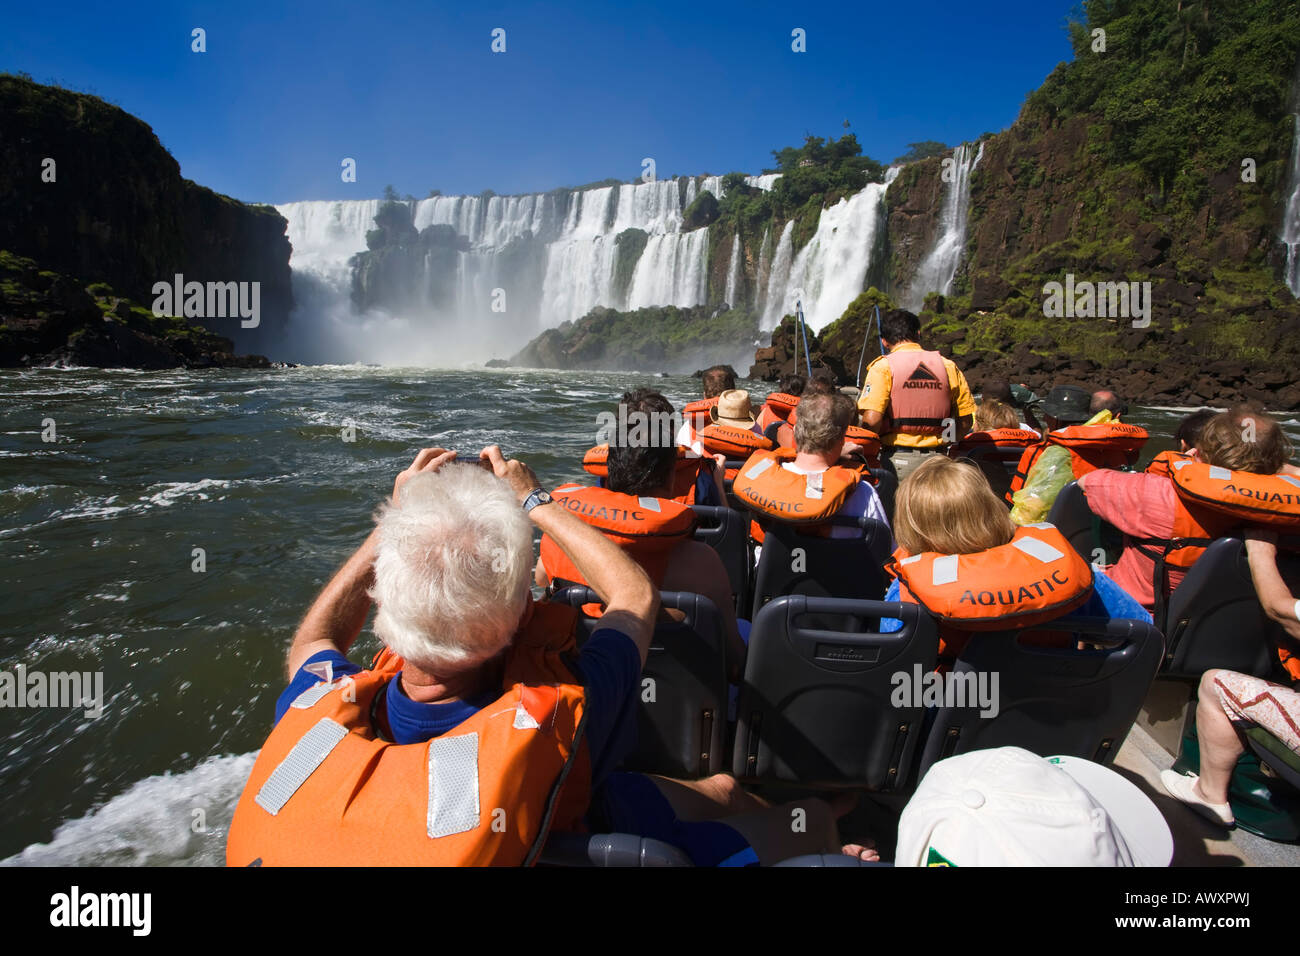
[(916, 400)]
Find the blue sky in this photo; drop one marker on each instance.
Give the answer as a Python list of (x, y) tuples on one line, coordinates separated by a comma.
[(583, 92)]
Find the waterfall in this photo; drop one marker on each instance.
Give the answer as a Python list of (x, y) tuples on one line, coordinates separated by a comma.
[(939, 267), (777, 302), (831, 270), (1291, 220), (733, 272), (509, 267)]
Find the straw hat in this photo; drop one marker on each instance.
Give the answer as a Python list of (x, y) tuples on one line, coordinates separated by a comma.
[(733, 409)]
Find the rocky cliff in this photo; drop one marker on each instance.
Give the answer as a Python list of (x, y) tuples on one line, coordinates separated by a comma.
[(87, 191)]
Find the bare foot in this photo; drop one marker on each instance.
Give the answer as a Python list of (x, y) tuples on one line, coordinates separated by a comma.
[(867, 854)]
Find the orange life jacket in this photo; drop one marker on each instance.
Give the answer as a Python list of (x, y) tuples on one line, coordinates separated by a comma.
[(328, 790), (868, 440), (1211, 502), (1107, 445), (1034, 578), (696, 413), (736, 443), (766, 487), (920, 396), (1163, 463), (686, 470), (648, 529), (777, 408)]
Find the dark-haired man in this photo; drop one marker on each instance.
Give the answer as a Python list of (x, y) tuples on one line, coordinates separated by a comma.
[(917, 401), (638, 496)]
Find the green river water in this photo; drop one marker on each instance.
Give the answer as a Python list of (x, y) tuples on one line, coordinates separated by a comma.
[(97, 535)]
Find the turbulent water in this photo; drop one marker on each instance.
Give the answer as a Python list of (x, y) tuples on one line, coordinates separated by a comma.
[(939, 267), (97, 549)]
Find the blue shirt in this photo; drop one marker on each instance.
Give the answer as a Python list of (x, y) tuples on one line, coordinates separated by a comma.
[(1107, 600), (608, 664)]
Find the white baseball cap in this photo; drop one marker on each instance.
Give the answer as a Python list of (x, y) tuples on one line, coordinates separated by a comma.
[(1010, 807)]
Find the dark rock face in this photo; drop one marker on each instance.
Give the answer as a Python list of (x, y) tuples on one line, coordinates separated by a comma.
[(49, 319), (118, 210)]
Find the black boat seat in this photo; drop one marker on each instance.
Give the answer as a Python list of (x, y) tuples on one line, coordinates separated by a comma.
[(609, 849), (682, 706), (816, 705), (1215, 619), (793, 562), (1052, 700), (726, 531)]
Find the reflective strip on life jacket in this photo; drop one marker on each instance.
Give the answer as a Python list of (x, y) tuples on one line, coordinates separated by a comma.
[(1034, 578), (920, 396), (328, 789), (766, 487)]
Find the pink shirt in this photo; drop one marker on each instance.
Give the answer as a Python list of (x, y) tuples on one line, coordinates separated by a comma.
[(1142, 506)]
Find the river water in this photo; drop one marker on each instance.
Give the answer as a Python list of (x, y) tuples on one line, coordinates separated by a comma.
[(110, 481)]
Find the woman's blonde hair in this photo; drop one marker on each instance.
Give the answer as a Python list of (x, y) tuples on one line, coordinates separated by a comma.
[(991, 414), (947, 506)]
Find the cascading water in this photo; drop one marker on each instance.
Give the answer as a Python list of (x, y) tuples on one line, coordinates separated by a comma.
[(939, 267), (513, 265), (831, 270), (733, 272), (1291, 219)]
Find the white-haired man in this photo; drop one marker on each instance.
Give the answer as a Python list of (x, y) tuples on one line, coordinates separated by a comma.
[(479, 729)]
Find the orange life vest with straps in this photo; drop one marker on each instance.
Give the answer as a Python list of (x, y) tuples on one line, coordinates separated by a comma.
[(648, 529), (1106, 445), (328, 790), (777, 408), (994, 438), (735, 443), (1163, 463), (1034, 578), (1211, 502), (920, 396), (686, 470), (867, 440), (696, 413), (766, 487)]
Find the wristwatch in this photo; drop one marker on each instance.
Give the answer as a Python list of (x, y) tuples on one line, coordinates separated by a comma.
[(537, 496)]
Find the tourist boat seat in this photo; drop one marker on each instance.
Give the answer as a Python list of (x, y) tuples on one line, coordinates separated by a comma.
[(815, 707), (609, 849), (1284, 761), (1052, 700), (1214, 618), (794, 562), (726, 531), (1096, 541), (886, 481), (681, 731)]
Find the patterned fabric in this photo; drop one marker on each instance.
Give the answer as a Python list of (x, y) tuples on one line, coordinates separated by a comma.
[(1260, 702)]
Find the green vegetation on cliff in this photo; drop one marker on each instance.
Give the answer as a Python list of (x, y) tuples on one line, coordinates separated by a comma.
[(666, 338)]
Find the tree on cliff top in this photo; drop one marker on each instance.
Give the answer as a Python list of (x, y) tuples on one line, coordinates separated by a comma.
[(922, 150)]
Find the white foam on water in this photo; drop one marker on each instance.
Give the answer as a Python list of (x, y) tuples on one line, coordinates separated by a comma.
[(152, 823)]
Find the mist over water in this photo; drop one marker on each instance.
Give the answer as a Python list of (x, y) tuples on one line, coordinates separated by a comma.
[(97, 532)]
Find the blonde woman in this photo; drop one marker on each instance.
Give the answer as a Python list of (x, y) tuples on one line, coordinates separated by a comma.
[(947, 507), (991, 415)]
